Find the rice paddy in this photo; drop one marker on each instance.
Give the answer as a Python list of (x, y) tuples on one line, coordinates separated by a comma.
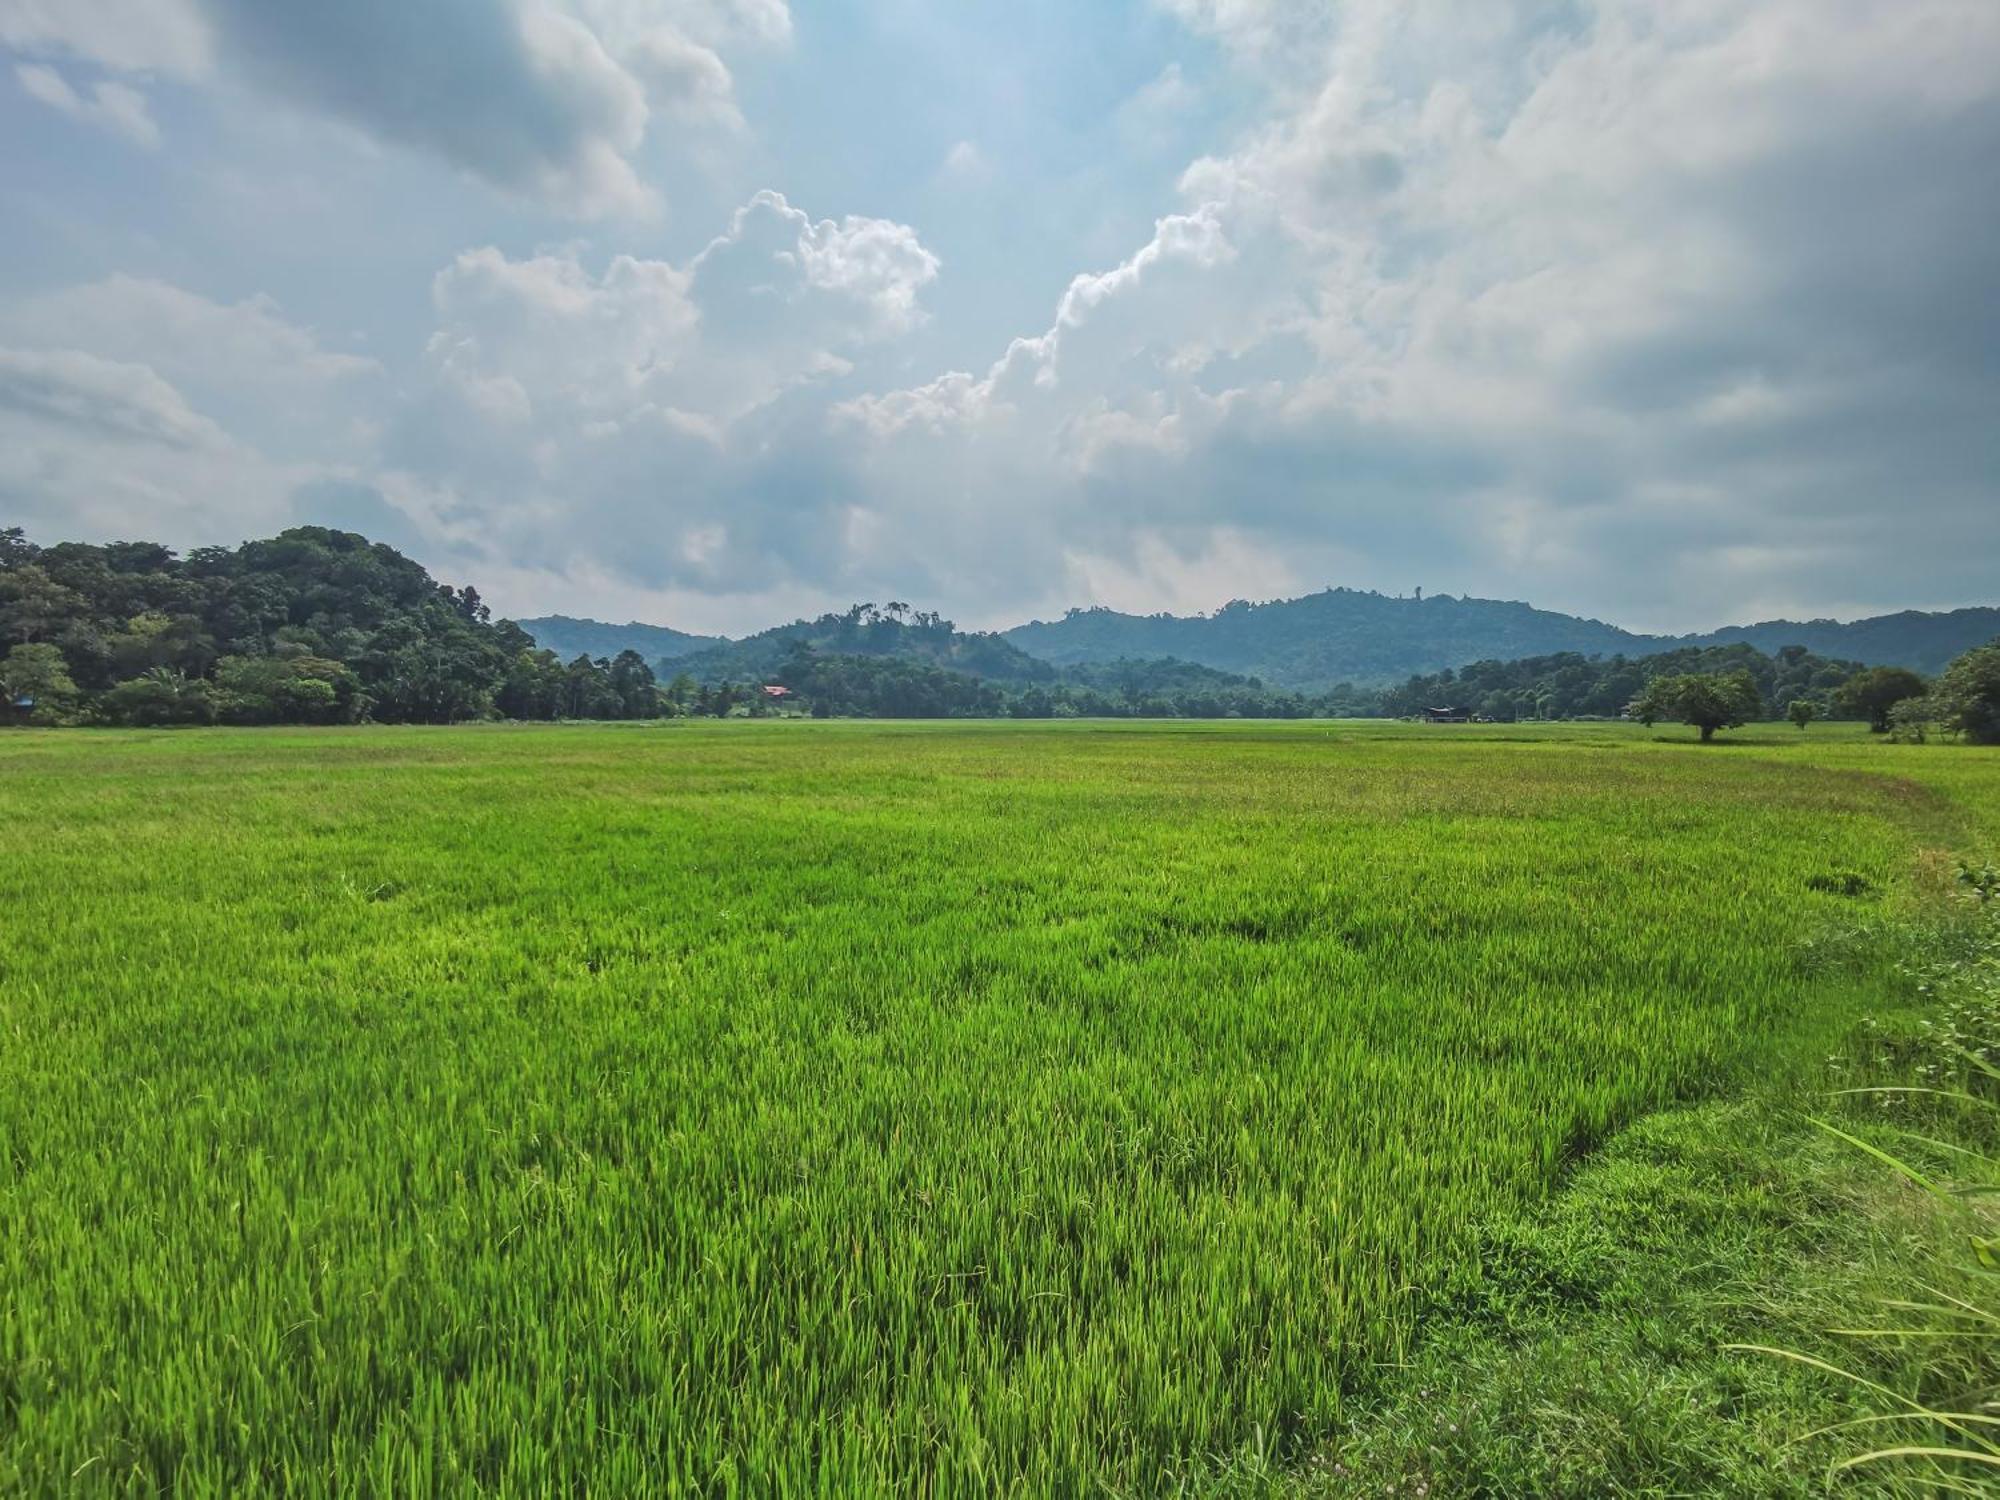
[(820, 1108)]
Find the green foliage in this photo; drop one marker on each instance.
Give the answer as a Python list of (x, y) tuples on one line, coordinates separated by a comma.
[(33, 606), (157, 698), (311, 626), (35, 686), (1802, 711), (1968, 695), (920, 638), (1874, 694), (293, 689), (905, 687), (1571, 686), (1708, 701), (852, 1109), (885, 686), (1912, 721)]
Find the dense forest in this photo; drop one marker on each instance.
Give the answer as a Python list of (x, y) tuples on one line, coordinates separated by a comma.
[(880, 685), (1568, 685), (868, 630), (308, 627), (316, 626)]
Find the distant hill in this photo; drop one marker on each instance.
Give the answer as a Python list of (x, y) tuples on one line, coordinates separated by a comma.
[(570, 638), (1345, 635), (1341, 635), (912, 635), (1923, 642)]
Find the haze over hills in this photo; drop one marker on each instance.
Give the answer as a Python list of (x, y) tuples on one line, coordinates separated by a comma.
[(1910, 638), (1346, 635), (570, 638), (1308, 644)]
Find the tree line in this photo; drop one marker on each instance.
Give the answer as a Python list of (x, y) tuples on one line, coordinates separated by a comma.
[(1718, 687), (1568, 685), (316, 626), (838, 684)]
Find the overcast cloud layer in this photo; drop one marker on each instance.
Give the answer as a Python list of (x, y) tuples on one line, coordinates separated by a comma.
[(1674, 312)]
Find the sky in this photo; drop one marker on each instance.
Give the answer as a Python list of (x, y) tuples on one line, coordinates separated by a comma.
[(717, 313)]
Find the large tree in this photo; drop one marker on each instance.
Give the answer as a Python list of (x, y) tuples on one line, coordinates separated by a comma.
[(35, 685), (1708, 701), (632, 685), (1874, 693), (1968, 695)]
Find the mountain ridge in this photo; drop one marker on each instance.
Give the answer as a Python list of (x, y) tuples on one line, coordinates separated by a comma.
[(1310, 643), (1371, 639)]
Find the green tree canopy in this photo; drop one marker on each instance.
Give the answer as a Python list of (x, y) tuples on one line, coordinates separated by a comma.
[(1708, 701), (1968, 695), (35, 685), (309, 626), (1873, 693)]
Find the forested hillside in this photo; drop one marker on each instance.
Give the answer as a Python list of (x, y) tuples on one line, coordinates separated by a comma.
[(1341, 635), (891, 630), (1922, 642), (1344, 635), (312, 626)]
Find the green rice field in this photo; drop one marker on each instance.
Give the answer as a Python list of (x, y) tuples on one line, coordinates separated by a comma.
[(819, 1108)]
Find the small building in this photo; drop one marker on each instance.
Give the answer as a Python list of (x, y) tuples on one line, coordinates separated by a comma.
[(1447, 716), (775, 690)]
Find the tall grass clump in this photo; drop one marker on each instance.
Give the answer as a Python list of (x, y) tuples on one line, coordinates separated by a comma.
[(1936, 1430)]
